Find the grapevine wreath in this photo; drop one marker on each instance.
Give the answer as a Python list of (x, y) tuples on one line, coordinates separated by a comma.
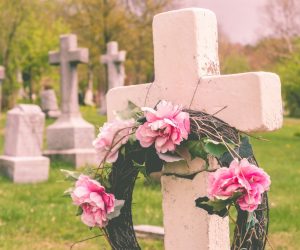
[(141, 140)]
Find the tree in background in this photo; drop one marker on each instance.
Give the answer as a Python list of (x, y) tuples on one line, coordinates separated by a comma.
[(31, 30)]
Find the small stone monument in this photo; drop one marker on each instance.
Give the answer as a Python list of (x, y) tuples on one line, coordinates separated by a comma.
[(2, 74), (70, 137), (114, 59), (89, 96), (49, 103), (22, 160), (187, 73)]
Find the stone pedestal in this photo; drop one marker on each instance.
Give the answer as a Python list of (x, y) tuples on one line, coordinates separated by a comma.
[(25, 169), (22, 160), (70, 139)]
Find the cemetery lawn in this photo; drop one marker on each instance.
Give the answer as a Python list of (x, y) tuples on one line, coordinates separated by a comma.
[(38, 216)]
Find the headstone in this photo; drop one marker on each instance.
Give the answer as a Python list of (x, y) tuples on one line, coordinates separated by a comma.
[(114, 59), (70, 137), (49, 103), (187, 72), (22, 160), (149, 232), (2, 74)]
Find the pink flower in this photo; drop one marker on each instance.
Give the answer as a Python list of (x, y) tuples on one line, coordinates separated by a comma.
[(242, 177), (165, 127), (111, 137), (90, 195)]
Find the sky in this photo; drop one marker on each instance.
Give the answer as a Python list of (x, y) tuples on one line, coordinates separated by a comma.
[(241, 20)]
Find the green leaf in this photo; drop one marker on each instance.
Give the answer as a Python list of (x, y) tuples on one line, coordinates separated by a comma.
[(117, 210), (70, 175), (212, 207), (141, 168), (79, 211), (216, 150), (196, 149)]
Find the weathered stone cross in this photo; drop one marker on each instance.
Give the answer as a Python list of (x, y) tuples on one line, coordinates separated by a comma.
[(114, 60), (70, 137), (186, 50)]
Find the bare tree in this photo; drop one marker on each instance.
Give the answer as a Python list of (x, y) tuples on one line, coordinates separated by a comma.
[(283, 19)]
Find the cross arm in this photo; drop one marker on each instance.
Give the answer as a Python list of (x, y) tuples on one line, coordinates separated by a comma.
[(80, 55), (54, 57), (252, 100)]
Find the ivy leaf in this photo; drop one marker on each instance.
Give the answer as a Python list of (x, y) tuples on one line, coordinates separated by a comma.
[(117, 209), (217, 150), (245, 150), (79, 211), (142, 168), (218, 207), (196, 149), (70, 175)]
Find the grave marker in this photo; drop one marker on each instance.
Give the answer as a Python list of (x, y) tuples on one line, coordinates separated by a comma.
[(114, 59), (22, 160), (49, 103), (187, 72), (70, 137)]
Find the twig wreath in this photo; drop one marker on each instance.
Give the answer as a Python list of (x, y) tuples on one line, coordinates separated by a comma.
[(141, 141)]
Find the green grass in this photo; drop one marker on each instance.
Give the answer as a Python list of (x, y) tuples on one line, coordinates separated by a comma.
[(38, 216)]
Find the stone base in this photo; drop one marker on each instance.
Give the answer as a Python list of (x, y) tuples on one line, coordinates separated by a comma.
[(53, 114), (78, 157), (25, 169), (149, 232)]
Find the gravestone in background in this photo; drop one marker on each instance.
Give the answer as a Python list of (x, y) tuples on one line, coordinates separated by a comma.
[(49, 103), (187, 73), (114, 59), (88, 95), (70, 137), (22, 160), (2, 74)]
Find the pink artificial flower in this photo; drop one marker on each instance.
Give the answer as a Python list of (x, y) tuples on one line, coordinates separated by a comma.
[(111, 137), (90, 195), (166, 127), (242, 177)]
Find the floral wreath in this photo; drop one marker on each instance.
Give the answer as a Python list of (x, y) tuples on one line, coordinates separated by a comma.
[(141, 140)]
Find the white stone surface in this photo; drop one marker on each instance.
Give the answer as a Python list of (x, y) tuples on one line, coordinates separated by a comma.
[(70, 137), (186, 61), (49, 103), (22, 160)]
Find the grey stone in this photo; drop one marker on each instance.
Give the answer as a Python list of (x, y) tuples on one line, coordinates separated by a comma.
[(70, 137), (150, 232), (49, 103), (114, 59), (22, 160)]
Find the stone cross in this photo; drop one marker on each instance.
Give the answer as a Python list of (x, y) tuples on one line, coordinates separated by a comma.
[(187, 72), (68, 57), (22, 160), (114, 59), (70, 137)]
